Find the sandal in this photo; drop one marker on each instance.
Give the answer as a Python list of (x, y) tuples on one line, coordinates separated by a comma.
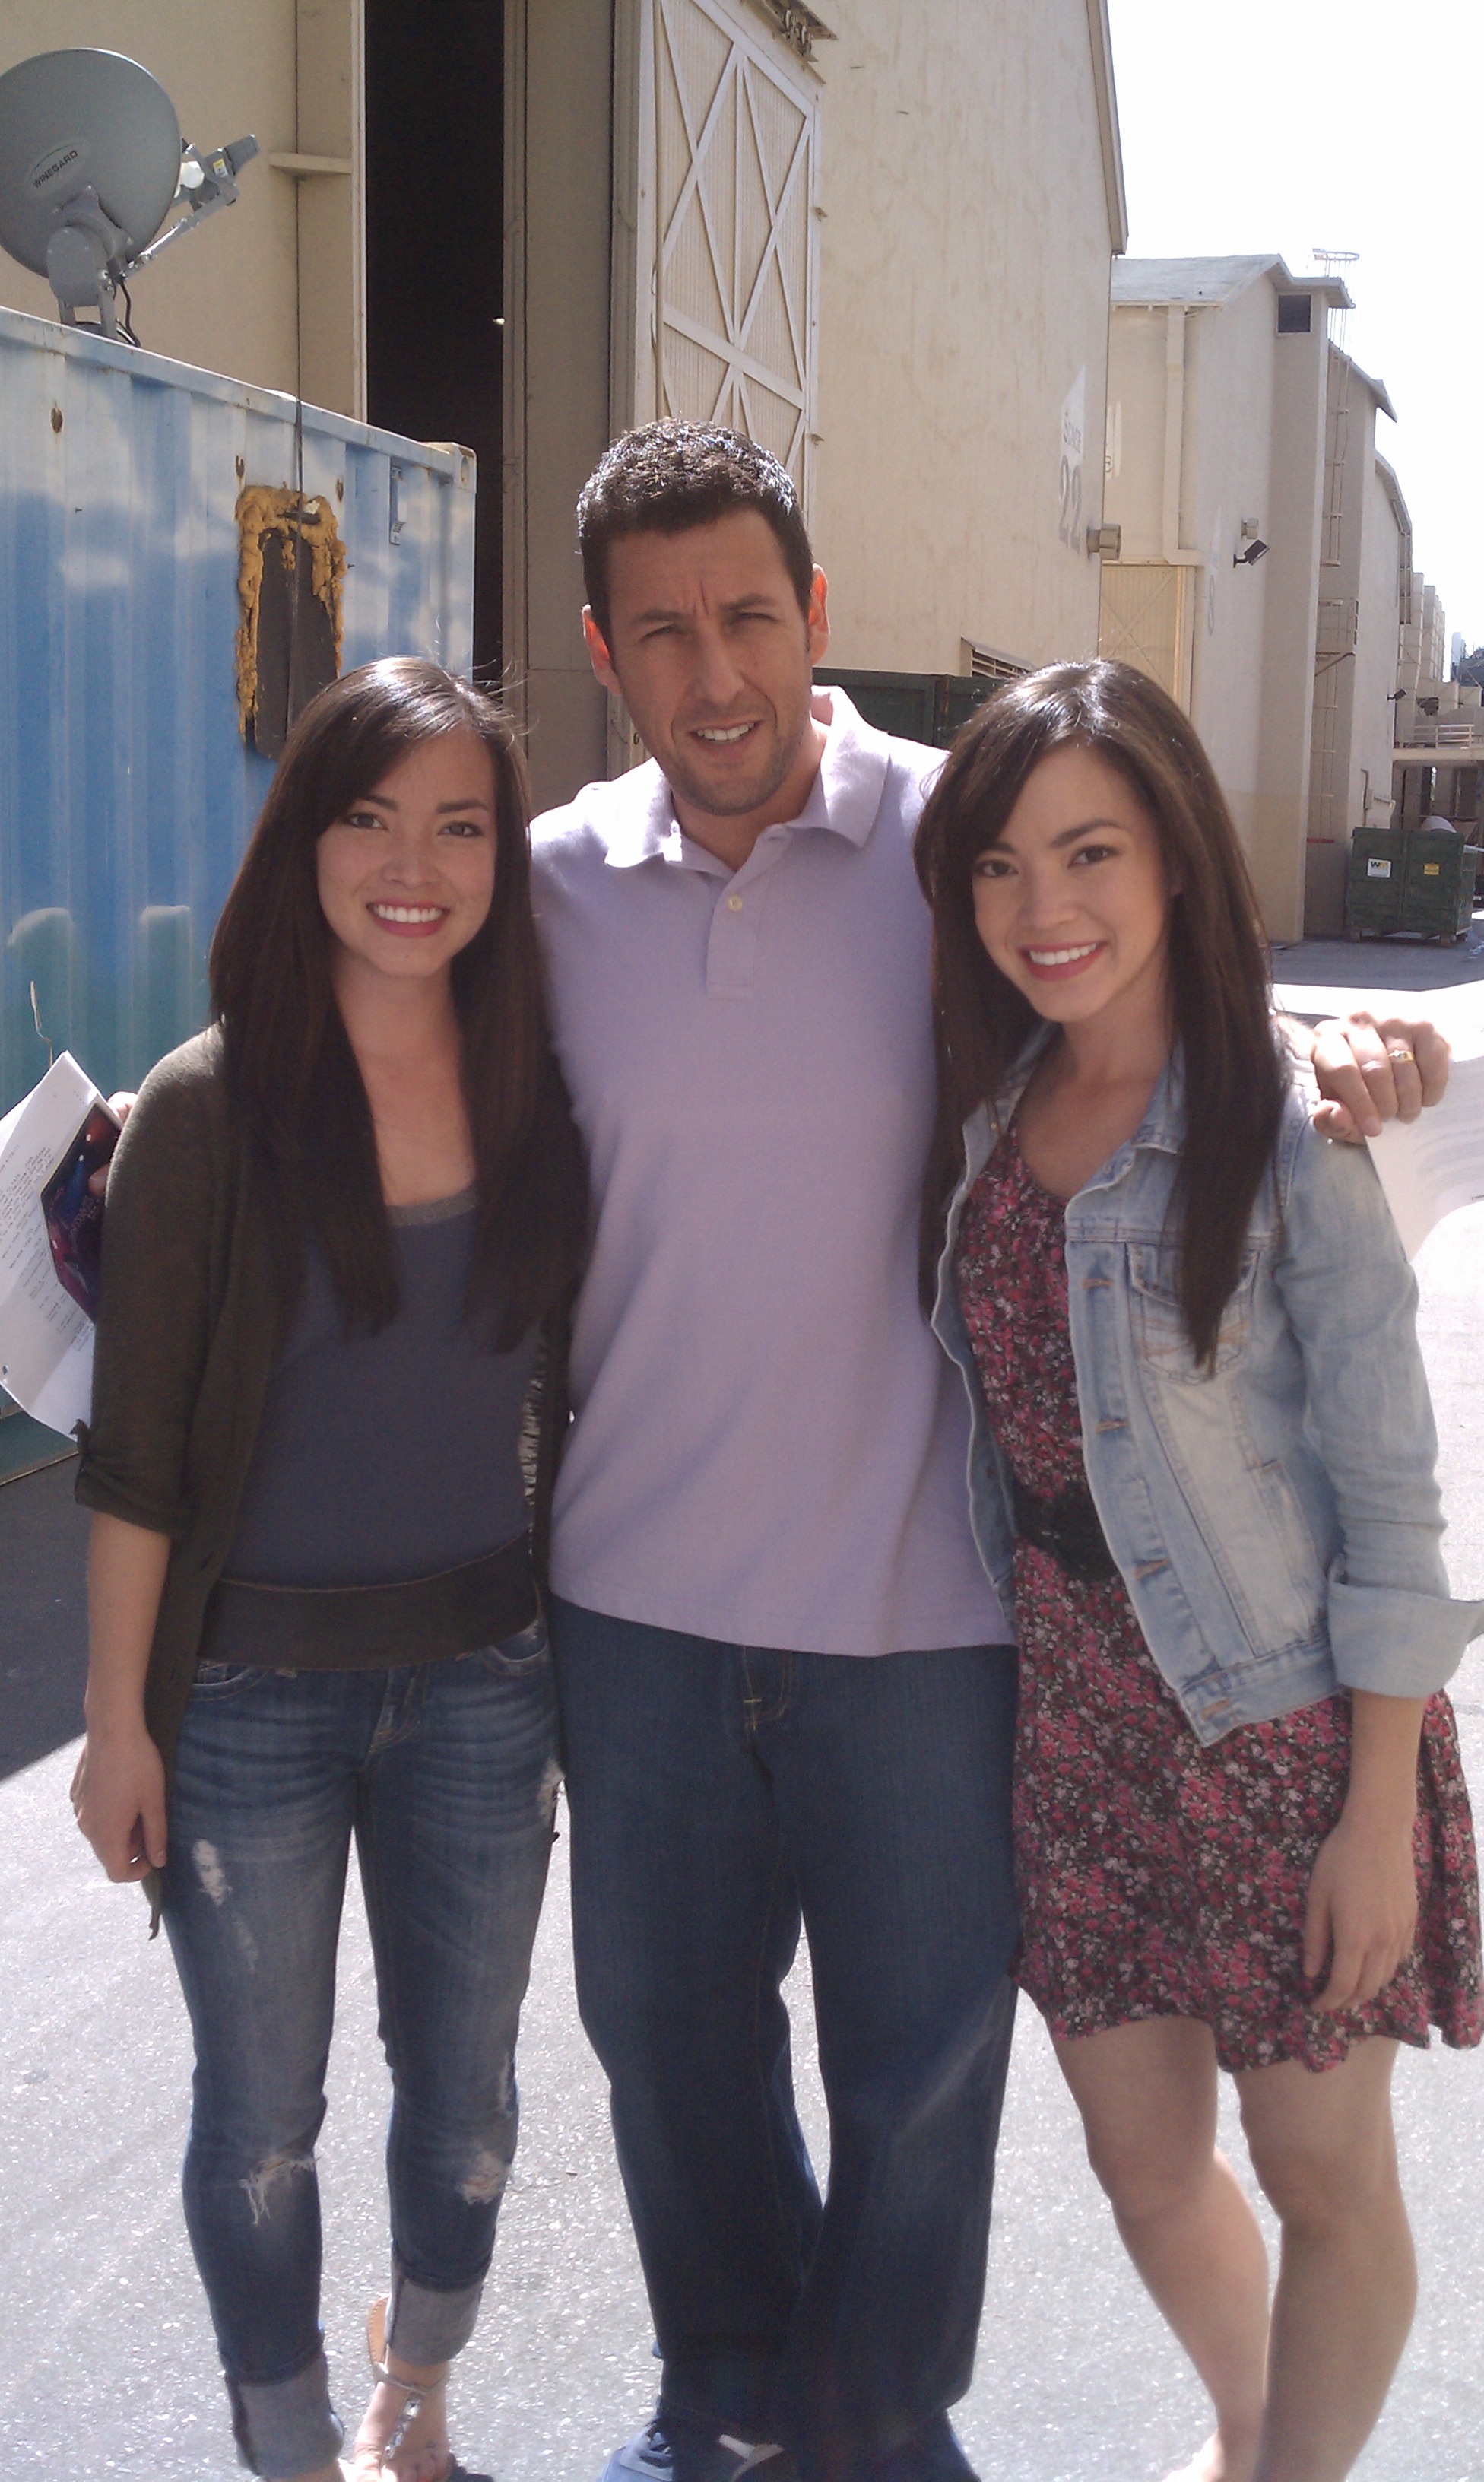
[(415, 2398)]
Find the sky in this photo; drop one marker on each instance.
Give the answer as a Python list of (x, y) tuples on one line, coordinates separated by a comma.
[(1292, 125)]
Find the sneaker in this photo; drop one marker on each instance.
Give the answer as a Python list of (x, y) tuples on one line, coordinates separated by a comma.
[(652, 2455)]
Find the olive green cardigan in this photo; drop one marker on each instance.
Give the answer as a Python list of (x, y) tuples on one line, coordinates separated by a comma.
[(188, 1322)]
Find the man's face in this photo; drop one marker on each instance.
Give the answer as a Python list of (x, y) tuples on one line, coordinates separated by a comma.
[(713, 655)]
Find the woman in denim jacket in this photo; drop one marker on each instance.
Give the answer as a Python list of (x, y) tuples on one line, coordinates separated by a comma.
[(1203, 1470)]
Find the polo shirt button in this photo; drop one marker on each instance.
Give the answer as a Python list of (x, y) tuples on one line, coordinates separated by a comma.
[(734, 905)]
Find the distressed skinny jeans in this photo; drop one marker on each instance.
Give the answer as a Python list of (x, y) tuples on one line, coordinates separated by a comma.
[(445, 1773)]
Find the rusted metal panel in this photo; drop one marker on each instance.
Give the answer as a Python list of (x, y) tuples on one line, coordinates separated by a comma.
[(127, 782)]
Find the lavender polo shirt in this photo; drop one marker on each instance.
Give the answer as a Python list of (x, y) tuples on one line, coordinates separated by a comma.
[(769, 1447)]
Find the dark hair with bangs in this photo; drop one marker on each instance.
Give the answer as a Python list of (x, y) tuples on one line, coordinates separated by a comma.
[(1220, 991), (291, 1076), (674, 475)]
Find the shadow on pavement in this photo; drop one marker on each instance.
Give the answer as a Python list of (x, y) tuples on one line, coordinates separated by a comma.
[(43, 1631), (1400, 963)]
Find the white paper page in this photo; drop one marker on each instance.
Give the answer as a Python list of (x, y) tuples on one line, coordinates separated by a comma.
[(1429, 1166), (46, 1337)]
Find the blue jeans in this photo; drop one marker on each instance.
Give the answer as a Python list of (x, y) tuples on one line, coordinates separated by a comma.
[(446, 1774), (719, 1794)]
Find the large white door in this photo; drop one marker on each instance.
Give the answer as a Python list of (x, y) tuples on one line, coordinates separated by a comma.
[(719, 247), (1146, 618)]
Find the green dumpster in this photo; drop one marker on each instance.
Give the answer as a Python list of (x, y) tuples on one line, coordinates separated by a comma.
[(1436, 895), (916, 706), (1373, 888)]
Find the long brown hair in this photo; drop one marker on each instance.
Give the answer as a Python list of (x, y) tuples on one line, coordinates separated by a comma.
[(1220, 993), (291, 1076)]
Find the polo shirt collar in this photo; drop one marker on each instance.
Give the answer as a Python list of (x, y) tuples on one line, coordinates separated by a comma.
[(845, 796)]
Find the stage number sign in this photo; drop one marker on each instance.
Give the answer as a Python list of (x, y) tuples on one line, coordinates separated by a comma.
[(1074, 425)]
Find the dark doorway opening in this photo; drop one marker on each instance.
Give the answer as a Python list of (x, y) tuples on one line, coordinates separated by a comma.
[(435, 247)]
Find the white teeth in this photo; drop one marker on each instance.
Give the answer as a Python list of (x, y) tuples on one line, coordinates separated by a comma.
[(409, 912), (721, 732), (1061, 956)]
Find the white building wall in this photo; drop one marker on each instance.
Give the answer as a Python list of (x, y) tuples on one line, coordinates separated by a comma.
[(964, 265), (1435, 635), (1373, 732), (1280, 828), (1230, 463), (1133, 446), (1216, 422), (1213, 387), (1409, 661)]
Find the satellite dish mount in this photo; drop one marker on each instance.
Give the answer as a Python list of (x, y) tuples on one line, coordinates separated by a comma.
[(90, 165)]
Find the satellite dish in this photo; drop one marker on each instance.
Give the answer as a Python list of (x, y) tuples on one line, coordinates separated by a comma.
[(91, 164)]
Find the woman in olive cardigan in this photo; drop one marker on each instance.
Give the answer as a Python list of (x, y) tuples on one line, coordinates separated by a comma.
[(343, 1227)]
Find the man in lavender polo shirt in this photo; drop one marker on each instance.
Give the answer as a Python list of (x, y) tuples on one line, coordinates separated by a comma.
[(785, 1677), (787, 1686)]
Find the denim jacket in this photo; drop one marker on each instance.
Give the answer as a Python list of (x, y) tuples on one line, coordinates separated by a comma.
[(1276, 1520)]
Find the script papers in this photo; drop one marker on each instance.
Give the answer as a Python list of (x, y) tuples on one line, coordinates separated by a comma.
[(51, 1229), (1431, 1165)]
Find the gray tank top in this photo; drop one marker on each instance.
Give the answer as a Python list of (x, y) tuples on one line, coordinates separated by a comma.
[(394, 1456)]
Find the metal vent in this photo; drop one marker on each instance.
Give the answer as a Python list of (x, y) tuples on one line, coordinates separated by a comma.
[(986, 663)]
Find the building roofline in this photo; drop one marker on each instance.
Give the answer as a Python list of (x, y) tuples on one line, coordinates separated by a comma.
[(1107, 92), (1376, 386), (1206, 283), (1404, 517), (1393, 492)]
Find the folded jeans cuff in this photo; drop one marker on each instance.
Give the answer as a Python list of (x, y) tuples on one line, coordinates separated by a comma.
[(286, 2426), (423, 2325)]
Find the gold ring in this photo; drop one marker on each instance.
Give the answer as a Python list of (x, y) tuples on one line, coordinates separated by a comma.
[(1399, 1051)]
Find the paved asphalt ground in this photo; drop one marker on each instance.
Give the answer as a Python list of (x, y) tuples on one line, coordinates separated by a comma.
[(107, 2368)]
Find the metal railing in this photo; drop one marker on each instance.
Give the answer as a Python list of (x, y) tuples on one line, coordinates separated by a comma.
[(1455, 732)]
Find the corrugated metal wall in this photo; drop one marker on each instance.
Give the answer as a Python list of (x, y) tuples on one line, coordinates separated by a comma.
[(127, 790)]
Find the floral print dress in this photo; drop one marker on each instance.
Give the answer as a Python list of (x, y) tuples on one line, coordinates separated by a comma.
[(1158, 1877)]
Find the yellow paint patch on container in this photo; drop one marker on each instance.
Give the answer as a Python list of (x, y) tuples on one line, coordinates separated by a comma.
[(300, 533)]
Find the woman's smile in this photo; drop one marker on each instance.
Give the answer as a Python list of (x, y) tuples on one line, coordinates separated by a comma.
[(1059, 964), (407, 921)]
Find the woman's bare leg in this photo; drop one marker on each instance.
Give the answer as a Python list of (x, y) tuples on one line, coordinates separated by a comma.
[(1323, 2150), (1147, 2094)]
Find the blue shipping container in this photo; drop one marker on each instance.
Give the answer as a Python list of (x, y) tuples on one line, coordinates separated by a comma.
[(127, 789)]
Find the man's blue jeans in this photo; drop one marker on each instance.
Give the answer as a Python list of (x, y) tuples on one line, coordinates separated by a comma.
[(718, 1794), (445, 1773)]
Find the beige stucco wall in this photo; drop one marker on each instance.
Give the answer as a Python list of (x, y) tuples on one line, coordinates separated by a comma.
[(1225, 454), (1229, 478), (558, 88), (1367, 573), (1251, 446), (1134, 430), (226, 298), (1279, 825), (1224, 450), (964, 259), (1373, 733)]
